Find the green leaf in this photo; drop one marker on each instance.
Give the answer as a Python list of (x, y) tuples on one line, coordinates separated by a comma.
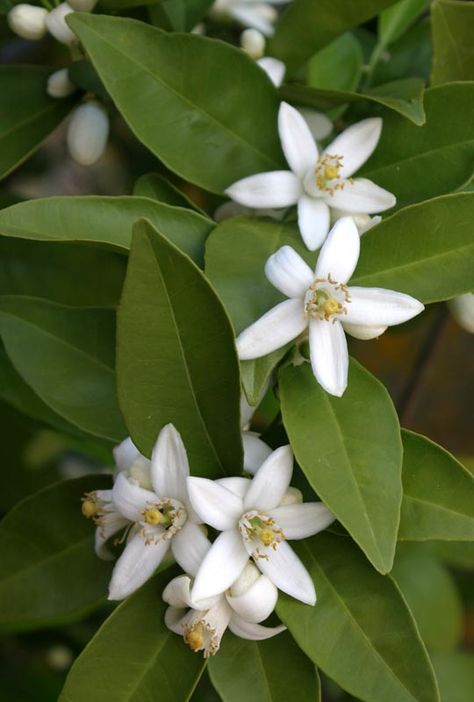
[(417, 163), (255, 374), (352, 441), (431, 594), (408, 56), (104, 220), (151, 76), (28, 114), (178, 15), (457, 554), (83, 74), (274, 670), (72, 367), (455, 673), (338, 66), (453, 48), (134, 657), (317, 24), (395, 20), (48, 568), (360, 633), (157, 187), (424, 250), (438, 499), (403, 96), (176, 357)]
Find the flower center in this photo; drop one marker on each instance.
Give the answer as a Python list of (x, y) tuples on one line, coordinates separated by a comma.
[(154, 516), (195, 637), (89, 507), (326, 299), (257, 527), (202, 636), (328, 169), (169, 514)]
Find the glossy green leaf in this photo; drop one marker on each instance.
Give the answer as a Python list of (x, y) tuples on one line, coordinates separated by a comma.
[(48, 568), (256, 373), (83, 74), (151, 76), (354, 442), (316, 24), (72, 367), (455, 673), (157, 187), (408, 56), (453, 46), (424, 250), (134, 657), (177, 15), (438, 493), (28, 114), (457, 554), (176, 357), (395, 20), (360, 633), (263, 671), (402, 96), (417, 163), (431, 594), (104, 220), (338, 66)]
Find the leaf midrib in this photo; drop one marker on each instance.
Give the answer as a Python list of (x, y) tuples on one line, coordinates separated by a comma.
[(37, 116), (437, 506), (375, 171)]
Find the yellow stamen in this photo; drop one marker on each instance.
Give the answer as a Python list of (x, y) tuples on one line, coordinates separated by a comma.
[(331, 172), (89, 508), (267, 536), (194, 638), (331, 306), (153, 516)]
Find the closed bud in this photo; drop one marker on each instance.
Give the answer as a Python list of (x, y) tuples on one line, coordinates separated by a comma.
[(82, 5), (28, 21), (56, 24), (87, 133), (59, 85), (253, 43)]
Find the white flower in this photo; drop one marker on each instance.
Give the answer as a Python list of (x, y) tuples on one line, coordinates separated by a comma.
[(363, 221), (59, 85), (317, 182), (87, 133), (253, 43), (256, 451), (462, 308), (56, 24), (250, 600), (322, 302), (256, 522), (249, 13), (28, 21)]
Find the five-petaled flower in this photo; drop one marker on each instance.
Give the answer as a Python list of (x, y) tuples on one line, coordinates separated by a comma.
[(323, 303), (256, 517), (317, 182)]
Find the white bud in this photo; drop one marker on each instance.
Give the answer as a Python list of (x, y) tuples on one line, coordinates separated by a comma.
[(246, 579), (87, 133), (292, 496), (28, 21), (59, 85), (253, 43), (363, 221), (56, 24), (274, 69), (462, 308), (82, 5), (200, 29)]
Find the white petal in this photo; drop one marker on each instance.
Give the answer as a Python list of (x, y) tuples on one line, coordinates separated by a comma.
[(175, 619), (110, 523), (217, 506), (169, 465), (319, 125), (271, 189), (313, 221), (340, 253), (257, 603), (297, 141), (253, 632), (283, 567), (221, 566), (136, 565), (301, 520), (462, 308), (125, 454), (178, 592), (237, 485), (274, 329), (271, 481), (380, 307), (248, 17), (130, 499), (286, 270), (256, 451), (189, 546), (361, 195), (363, 331), (274, 69), (355, 144), (329, 356)]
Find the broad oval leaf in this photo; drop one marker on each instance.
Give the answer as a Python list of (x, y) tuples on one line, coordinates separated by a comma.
[(28, 114), (455, 676), (134, 657), (438, 493), (453, 49), (226, 112), (338, 66), (263, 671), (350, 451), (104, 220), (417, 163), (157, 187), (49, 571), (360, 632), (176, 357), (395, 20), (72, 368), (424, 250)]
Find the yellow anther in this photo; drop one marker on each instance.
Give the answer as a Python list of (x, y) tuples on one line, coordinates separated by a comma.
[(267, 536), (194, 638), (331, 172), (89, 508), (331, 306), (153, 516)]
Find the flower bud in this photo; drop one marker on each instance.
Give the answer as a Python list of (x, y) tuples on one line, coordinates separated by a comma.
[(274, 69), (56, 24), (59, 85), (87, 133), (253, 43), (82, 5), (28, 21), (462, 308), (246, 579)]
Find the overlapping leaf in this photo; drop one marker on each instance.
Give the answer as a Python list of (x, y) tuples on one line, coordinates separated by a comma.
[(453, 48)]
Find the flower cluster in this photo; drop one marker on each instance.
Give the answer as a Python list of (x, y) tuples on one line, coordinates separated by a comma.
[(157, 509)]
